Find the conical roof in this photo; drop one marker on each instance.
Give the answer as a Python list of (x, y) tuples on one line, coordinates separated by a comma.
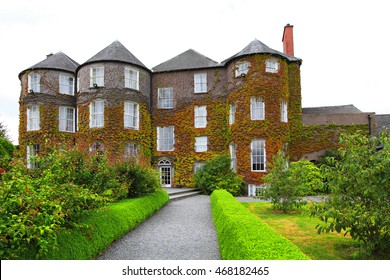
[(187, 60), (115, 52), (57, 61), (257, 47)]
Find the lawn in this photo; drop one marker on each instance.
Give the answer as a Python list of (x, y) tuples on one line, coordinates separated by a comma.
[(300, 229)]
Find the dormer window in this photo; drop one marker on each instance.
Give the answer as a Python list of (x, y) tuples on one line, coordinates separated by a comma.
[(131, 78), (66, 84), (271, 65), (97, 76), (34, 82), (242, 68)]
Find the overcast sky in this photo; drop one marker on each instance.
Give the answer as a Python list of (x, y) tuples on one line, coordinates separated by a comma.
[(344, 44)]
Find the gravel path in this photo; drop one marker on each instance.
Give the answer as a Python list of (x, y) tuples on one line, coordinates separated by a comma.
[(182, 230)]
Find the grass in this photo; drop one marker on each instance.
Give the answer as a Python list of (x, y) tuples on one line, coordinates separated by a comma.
[(300, 229)]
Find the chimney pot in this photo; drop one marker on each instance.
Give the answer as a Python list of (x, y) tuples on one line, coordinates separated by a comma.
[(288, 40), (49, 55)]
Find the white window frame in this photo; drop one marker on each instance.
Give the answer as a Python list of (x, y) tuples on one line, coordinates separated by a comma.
[(32, 151), (271, 65), (131, 78), (165, 138), (242, 68), (34, 82), (257, 108), (200, 116), (131, 115), (33, 118), (258, 156), (252, 189), (198, 165), (131, 150), (200, 82), (66, 119), (66, 84), (283, 111), (201, 144), (232, 113), (97, 76), (165, 98), (96, 114), (233, 156)]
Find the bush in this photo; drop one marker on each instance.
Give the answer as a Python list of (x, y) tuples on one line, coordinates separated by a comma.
[(6, 152), (103, 226), (217, 174), (360, 195), (139, 180), (288, 184), (243, 236)]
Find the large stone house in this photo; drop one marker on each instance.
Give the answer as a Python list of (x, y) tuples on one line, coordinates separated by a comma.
[(180, 113)]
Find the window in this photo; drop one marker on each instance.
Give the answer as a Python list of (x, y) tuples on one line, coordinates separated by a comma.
[(33, 120), (131, 150), (200, 83), (66, 119), (66, 84), (233, 163), (271, 65), (78, 84), (96, 116), (32, 151), (165, 98), (131, 117), (242, 69), (255, 190), (258, 155), (97, 76), (201, 144), (283, 111), (97, 147), (232, 113), (200, 116), (131, 78), (198, 165), (165, 138), (257, 108), (34, 82)]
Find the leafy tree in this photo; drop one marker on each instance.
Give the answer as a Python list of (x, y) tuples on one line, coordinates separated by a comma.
[(360, 192), (6, 152), (288, 183), (217, 174), (3, 131)]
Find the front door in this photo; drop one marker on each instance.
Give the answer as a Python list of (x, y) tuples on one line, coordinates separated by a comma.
[(166, 176)]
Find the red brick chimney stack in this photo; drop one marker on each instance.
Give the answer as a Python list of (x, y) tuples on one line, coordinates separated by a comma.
[(288, 40)]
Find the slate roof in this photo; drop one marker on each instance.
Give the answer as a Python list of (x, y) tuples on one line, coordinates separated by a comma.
[(57, 61), (187, 60), (115, 52), (257, 47), (343, 109)]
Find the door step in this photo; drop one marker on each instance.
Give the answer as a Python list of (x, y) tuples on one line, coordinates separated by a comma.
[(176, 194)]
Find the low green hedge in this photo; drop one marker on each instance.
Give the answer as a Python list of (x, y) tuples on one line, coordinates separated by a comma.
[(105, 226), (243, 236)]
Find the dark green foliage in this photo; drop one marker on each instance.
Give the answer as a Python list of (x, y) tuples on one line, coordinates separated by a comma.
[(289, 183), (243, 236), (6, 152), (217, 174), (139, 180), (359, 182)]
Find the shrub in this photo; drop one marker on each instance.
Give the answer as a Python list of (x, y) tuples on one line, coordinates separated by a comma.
[(287, 184), (6, 152), (140, 180), (243, 236), (105, 225), (360, 194), (217, 174)]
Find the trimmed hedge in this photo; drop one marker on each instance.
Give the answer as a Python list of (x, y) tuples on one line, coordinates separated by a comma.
[(105, 226), (243, 236)]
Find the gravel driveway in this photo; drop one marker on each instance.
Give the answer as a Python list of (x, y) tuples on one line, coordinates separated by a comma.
[(181, 230)]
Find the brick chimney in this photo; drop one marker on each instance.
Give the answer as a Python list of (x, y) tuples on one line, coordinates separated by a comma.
[(288, 40)]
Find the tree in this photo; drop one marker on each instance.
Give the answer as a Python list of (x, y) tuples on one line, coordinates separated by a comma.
[(217, 174), (360, 192), (288, 183), (6, 152), (3, 131)]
